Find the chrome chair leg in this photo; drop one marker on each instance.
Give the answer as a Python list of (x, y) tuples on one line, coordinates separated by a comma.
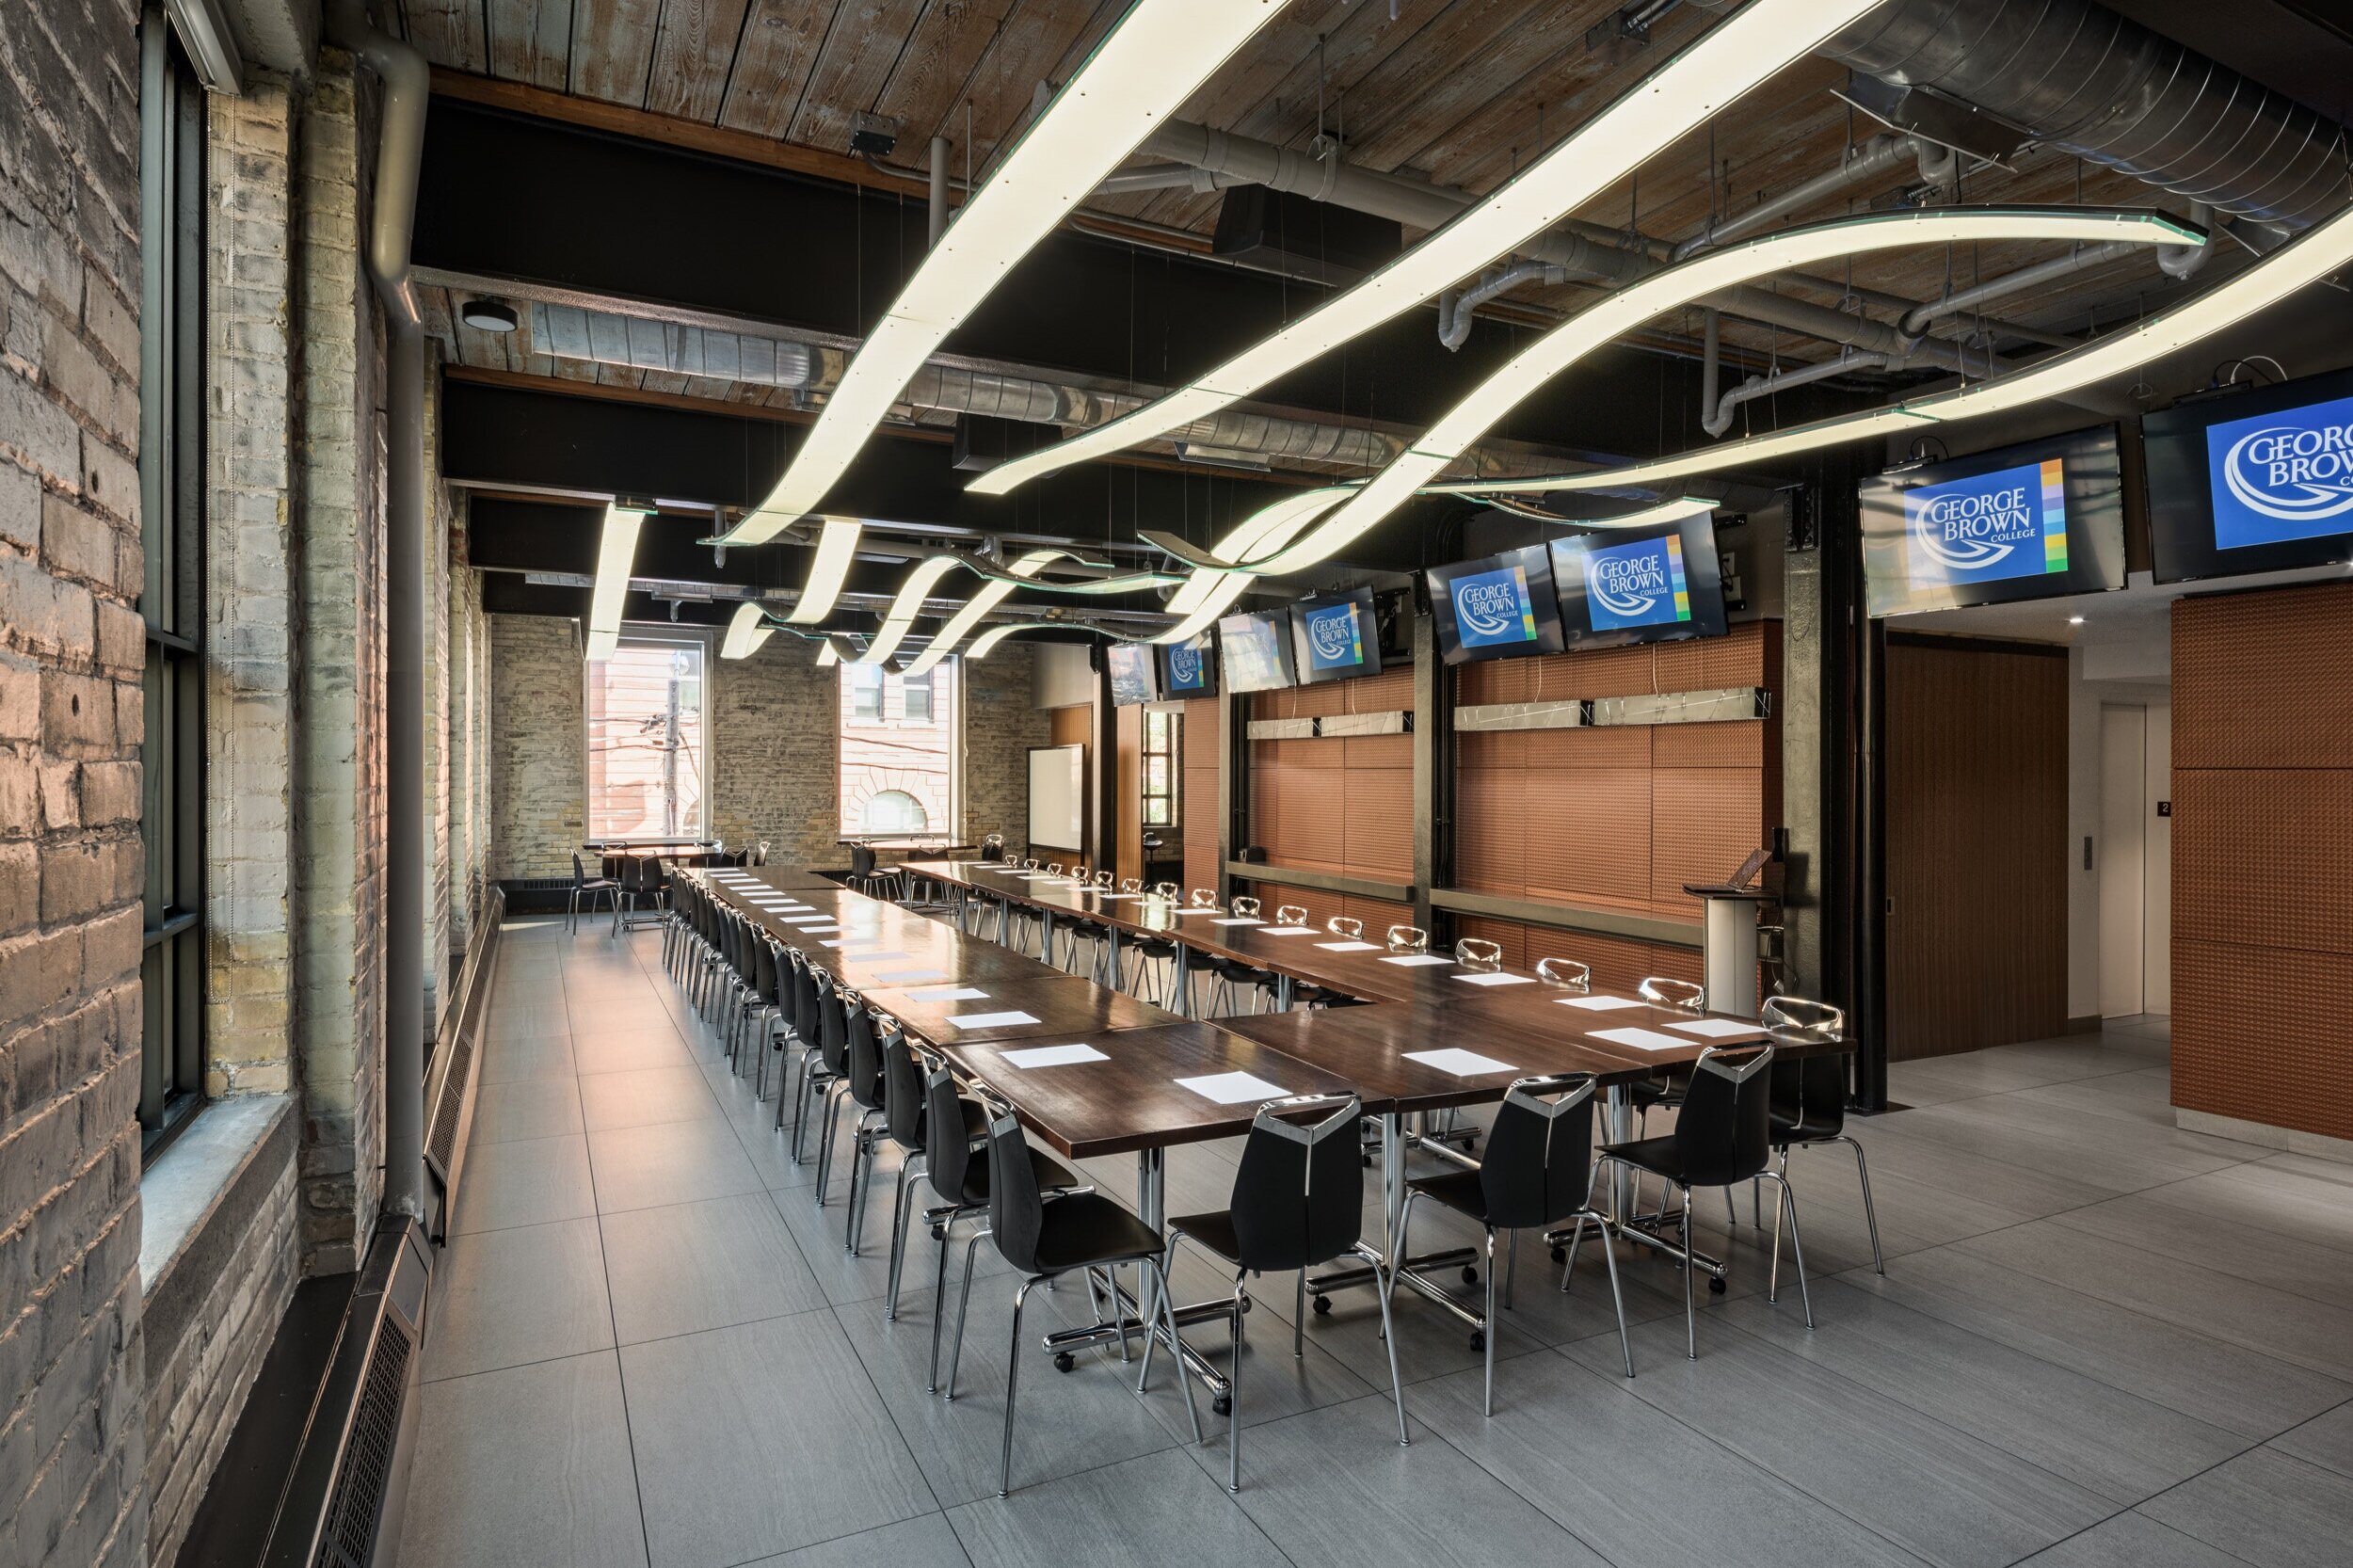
[(1494, 1330), (1167, 1299), (1233, 1391), (1870, 1214), (1789, 1205), (898, 1237), (1691, 1307), (1013, 1379), (964, 1300)]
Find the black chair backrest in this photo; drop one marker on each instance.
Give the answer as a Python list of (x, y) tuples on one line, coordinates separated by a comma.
[(1299, 1197), (862, 1056), (580, 872), (807, 1023), (763, 966), (1536, 1170), (1812, 1091), (1724, 1131), (951, 1156), (861, 860), (833, 1025), (1017, 1210), (992, 848), (903, 1092)]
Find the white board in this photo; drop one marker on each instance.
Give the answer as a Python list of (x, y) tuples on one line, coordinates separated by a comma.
[(1057, 792)]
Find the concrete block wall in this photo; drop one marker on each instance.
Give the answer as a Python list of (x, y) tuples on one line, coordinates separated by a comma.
[(537, 746), (70, 723)]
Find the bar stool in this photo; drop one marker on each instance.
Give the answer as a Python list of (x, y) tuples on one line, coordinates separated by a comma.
[(1722, 1136), (1809, 1097), (1538, 1172), (1298, 1201)]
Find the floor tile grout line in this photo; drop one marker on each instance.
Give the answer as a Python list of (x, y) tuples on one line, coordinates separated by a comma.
[(620, 1365)]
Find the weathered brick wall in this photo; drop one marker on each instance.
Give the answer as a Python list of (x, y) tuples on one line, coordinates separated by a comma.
[(1001, 727), (468, 799), (339, 747), (536, 746), (70, 723), (772, 765), (439, 973)]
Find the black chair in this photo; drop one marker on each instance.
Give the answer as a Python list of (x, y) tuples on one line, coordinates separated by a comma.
[(956, 1164), (862, 1082), (1298, 1202), (1046, 1234), (1722, 1136), (1538, 1172), (1809, 1097), (808, 1028), (591, 888)]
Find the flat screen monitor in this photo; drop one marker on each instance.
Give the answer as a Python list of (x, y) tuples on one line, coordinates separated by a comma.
[(1498, 607), (2257, 481), (1135, 675), (1334, 637), (1660, 582), (1255, 652), (1186, 667), (2041, 520)]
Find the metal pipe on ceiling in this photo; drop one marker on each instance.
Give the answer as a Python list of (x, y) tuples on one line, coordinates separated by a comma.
[(1917, 320)]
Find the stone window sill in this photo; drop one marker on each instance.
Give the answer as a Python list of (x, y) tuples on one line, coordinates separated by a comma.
[(194, 1179)]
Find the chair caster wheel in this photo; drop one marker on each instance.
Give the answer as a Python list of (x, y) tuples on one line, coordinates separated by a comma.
[(1322, 1305), (1223, 1405), (1365, 1160), (1247, 1302), (1470, 1276), (1479, 1341), (1063, 1361), (1560, 1255), (1715, 1285), (939, 1235)]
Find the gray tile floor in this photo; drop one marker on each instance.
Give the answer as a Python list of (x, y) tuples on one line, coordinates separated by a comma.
[(2101, 1340)]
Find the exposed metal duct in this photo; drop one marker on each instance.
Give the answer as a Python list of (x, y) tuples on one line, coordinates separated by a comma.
[(1717, 419), (1871, 160), (2079, 77)]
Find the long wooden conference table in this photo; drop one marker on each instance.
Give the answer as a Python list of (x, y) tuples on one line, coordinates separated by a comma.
[(1094, 1071)]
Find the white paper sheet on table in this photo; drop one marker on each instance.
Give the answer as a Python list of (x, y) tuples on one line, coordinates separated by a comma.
[(1115, 898), (1289, 931), (1350, 946), (1600, 1004), (990, 1020), (1193, 911), (909, 977), (948, 993), (1237, 919), (806, 920), (1496, 979), (1462, 1063), (1052, 1056), (1641, 1039), (877, 957), (1231, 1088), (1718, 1029), (1417, 960)]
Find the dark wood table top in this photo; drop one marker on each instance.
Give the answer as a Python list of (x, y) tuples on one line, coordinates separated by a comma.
[(1059, 1005), (1131, 1099)]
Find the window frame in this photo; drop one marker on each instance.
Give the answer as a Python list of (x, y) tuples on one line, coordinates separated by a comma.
[(641, 637), (173, 200), (1171, 750)]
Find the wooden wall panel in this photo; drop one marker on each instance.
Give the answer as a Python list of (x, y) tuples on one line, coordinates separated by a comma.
[(1617, 818), (1203, 742), (1618, 964), (2263, 855), (1069, 727), (1377, 914), (1342, 805), (1130, 850), (1976, 847)]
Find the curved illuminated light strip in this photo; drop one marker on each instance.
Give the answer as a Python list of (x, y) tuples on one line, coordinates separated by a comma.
[(616, 553), (1210, 593), (1741, 52), (1617, 313), (1147, 65), (907, 606), (995, 634), (748, 629), (837, 546), (992, 594), (2302, 262)]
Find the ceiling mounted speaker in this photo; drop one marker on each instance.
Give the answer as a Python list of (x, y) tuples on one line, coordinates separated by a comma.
[(488, 315)]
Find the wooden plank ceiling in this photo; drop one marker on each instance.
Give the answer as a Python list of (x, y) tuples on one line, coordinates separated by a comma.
[(1460, 93)]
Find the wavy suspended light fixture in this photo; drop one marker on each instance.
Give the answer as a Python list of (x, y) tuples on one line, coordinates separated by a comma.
[(837, 546), (995, 634), (748, 629), (1617, 313), (908, 605), (1216, 582), (616, 553), (1740, 52), (2326, 248), (1152, 59), (992, 594)]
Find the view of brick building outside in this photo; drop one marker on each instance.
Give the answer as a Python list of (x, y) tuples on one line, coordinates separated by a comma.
[(898, 775)]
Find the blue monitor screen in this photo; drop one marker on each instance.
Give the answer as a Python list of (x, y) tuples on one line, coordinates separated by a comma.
[(2255, 481), (1186, 666), (1335, 638), (1659, 583), (2041, 520), (1256, 652), (1495, 607)]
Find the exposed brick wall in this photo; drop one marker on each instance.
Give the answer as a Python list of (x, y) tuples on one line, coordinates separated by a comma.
[(469, 800), (340, 748), (70, 723), (772, 766), (537, 796), (1001, 727)]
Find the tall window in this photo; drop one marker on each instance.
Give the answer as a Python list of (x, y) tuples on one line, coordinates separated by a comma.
[(1163, 766), (648, 769), (902, 752), (172, 601)]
